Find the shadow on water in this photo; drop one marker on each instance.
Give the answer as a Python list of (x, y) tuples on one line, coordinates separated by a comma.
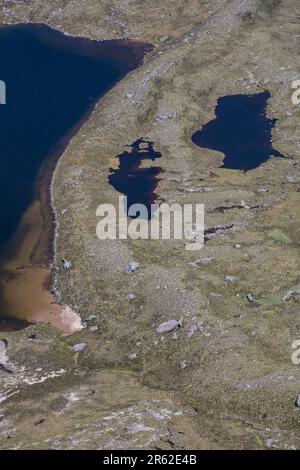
[(52, 83), (8, 324), (137, 183), (241, 130)]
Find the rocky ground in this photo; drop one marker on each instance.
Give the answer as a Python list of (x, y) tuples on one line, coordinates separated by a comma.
[(225, 379)]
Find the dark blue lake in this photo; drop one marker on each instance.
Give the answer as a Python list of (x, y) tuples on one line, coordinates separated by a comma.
[(241, 130), (52, 80), (52, 83)]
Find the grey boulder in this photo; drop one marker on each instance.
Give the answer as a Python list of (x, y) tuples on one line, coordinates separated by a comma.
[(79, 347), (67, 264), (132, 267), (168, 326)]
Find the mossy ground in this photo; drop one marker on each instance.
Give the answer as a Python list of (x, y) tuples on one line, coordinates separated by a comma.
[(240, 383)]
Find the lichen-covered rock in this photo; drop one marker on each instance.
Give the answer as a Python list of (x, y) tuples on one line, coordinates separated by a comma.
[(66, 264), (133, 267), (79, 347), (168, 326)]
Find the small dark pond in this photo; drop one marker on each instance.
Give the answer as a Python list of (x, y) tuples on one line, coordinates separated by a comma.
[(241, 130), (137, 183)]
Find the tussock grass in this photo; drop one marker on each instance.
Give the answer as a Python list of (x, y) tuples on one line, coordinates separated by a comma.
[(267, 5)]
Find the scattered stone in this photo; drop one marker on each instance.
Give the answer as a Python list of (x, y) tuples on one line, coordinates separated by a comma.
[(168, 326), (198, 190), (191, 330), (231, 278), (132, 267), (165, 117), (5, 368), (64, 211), (237, 246), (287, 296), (244, 205), (269, 442), (67, 264), (91, 318), (297, 401), (183, 364), (79, 347), (3, 358), (129, 96), (132, 356), (212, 231), (31, 337), (94, 328), (131, 296), (250, 297), (138, 427), (163, 38), (56, 292), (292, 180), (200, 261)]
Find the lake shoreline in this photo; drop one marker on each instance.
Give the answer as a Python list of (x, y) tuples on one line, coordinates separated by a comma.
[(52, 210)]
